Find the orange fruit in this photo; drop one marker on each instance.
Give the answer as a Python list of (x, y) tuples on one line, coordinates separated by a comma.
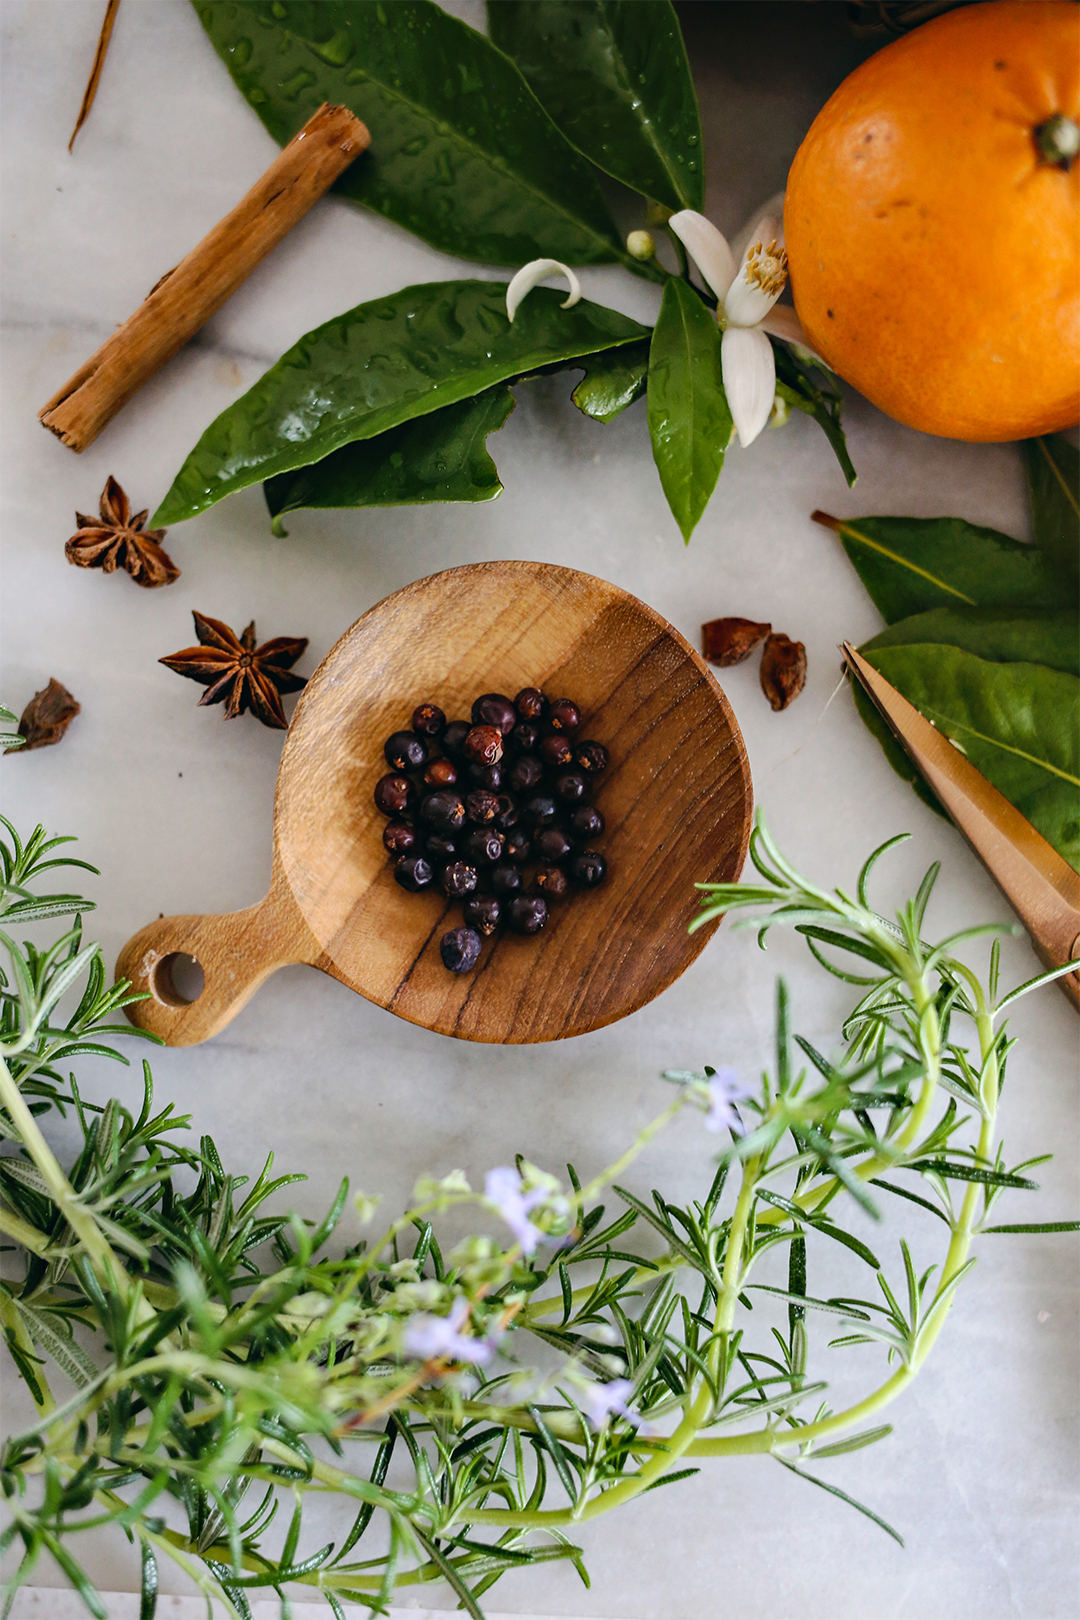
[(934, 250)]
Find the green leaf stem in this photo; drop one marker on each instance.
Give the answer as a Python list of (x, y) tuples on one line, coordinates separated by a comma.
[(689, 420), (614, 76), (461, 153), (377, 366), (1018, 723), (439, 457)]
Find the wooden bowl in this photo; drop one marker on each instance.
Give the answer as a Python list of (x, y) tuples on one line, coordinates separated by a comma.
[(676, 799)]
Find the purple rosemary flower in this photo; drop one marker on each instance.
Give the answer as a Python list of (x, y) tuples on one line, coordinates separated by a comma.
[(599, 1401), (503, 1189), (438, 1338), (725, 1090)]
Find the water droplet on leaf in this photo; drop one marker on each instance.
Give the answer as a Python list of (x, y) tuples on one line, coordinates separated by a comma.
[(337, 49)]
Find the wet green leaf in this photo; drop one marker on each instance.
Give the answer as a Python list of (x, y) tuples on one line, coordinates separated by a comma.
[(689, 420), (439, 457), (377, 366), (612, 381), (461, 151), (1053, 469), (1018, 723), (614, 76), (910, 565), (804, 387), (994, 633), (945, 584)]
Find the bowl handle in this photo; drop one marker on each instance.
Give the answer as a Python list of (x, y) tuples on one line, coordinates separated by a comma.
[(235, 951)]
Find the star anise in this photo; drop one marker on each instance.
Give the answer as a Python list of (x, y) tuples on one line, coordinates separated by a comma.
[(239, 674), (118, 537)]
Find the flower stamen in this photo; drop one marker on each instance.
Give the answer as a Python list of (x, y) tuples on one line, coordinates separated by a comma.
[(767, 268)]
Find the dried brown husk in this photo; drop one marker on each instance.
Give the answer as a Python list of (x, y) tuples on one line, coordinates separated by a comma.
[(783, 670), (47, 716), (730, 641)]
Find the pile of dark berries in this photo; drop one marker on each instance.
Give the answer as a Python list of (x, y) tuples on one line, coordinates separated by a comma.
[(494, 812)]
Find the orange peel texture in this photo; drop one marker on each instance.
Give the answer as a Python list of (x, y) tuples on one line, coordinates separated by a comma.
[(935, 255)]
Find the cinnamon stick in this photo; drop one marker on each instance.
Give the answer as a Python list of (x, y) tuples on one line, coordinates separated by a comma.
[(186, 297)]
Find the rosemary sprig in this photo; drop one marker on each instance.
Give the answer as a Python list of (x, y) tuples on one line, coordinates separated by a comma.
[(221, 1356)]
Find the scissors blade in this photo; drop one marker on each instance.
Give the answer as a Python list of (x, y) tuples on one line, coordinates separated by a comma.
[(1041, 887)]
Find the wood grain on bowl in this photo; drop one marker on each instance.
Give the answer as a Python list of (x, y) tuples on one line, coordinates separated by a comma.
[(676, 798)]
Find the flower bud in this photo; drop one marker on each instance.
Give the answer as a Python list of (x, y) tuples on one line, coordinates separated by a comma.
[(780, 413), (640, 245), (366, 1206)]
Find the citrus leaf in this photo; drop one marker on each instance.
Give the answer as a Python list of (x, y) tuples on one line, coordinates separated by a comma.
[(461, 153), (802, 386), (1053, 469), (612, 381), (1019, 724), (689, 420), (614, 76), (440, 457), (910, 565), (995, 633), (377, 366)]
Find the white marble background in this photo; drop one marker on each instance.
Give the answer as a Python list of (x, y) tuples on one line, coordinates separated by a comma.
[(175, 807)]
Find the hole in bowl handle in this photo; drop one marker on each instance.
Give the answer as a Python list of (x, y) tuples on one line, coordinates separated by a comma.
[(197, 972)]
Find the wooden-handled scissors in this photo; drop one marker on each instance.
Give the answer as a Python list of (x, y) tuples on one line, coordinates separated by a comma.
[(1041, 887)]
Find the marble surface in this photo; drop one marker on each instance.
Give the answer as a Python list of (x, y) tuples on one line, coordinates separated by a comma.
[(175, 807), (43, 1603)]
